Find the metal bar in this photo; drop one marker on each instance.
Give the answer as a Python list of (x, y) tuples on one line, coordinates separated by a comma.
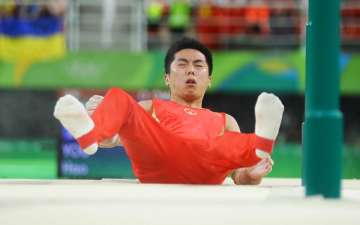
[(323, 127)]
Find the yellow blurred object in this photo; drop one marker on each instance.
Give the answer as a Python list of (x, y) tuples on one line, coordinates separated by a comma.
[(8, 6), (205, 11), (36, 49), (274, 66), (155, 12), (24, 51)]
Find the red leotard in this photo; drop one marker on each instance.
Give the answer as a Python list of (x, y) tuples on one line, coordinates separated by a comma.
[(176, 144)]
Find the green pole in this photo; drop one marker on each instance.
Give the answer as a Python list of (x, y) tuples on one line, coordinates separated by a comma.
[(323, 127)]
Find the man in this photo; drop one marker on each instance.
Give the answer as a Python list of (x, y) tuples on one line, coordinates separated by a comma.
[(247, 175), (178, 141)]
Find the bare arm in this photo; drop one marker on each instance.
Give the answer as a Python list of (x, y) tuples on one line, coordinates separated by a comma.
[(247, 175), (231, 124)]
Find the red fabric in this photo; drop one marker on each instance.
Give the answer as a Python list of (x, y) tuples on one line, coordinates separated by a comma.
[(188, 122), (158, 155), (87, 139)]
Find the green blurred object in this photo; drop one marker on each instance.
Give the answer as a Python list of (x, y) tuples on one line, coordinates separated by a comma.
[(180, 14), (37, 159), (243, 71), (154, 12), (323, 126), (28, 158)]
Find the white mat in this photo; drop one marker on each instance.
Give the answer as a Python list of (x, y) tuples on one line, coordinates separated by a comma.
[(88, 202)]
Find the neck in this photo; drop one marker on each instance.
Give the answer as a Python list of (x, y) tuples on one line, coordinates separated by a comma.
[(194, 103)]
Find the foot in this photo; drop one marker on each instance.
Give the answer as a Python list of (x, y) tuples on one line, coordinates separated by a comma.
[(74, 117), (268, 114)]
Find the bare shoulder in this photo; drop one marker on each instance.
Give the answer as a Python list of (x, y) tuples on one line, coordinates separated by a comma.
[(231, 124), (146, 104)]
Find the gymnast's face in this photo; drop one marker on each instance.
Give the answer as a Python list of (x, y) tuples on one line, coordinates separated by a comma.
[(189, 75)]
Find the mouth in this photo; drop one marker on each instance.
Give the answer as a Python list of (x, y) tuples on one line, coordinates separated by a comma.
[(190, 81)]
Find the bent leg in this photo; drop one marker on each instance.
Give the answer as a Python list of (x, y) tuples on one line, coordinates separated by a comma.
[(145, 141), (234, 150)]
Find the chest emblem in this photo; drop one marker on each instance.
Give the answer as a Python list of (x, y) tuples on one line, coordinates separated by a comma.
[(190, 112)]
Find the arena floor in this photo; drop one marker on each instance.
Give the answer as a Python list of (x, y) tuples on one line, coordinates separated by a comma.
[(90, 202)]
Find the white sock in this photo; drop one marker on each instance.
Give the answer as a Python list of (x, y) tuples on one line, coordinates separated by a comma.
[(74, 117), (268, 114)]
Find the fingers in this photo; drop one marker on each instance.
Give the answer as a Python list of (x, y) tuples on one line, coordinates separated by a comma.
[(269, 159), (268, 169), (265, 165), (262, 162), (266, 160), (269, 165), (95, 100), (97, 97), (93, 103)]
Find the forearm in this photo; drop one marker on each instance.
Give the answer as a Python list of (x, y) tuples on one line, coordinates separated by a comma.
[(242, 177)]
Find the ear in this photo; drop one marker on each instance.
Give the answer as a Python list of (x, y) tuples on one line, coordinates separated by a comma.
[(209, 85), (167, 79)]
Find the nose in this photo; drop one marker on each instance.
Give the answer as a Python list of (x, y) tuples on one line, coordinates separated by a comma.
[(190, 70)]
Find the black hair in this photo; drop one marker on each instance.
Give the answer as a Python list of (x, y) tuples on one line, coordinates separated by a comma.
[(187, 43)]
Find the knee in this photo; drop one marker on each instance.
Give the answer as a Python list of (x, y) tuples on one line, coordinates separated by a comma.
[(116, 90), (119, 95)]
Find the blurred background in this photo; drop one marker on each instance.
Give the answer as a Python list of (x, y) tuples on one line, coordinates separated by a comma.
[(83, 47)]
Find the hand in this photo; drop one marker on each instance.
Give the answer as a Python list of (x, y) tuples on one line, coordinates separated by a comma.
[(261, 169), (93, 103), (253, 174)]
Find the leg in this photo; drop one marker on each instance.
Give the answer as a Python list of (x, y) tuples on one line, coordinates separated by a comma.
[(118, 110), (234, 150), (145, 142)]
